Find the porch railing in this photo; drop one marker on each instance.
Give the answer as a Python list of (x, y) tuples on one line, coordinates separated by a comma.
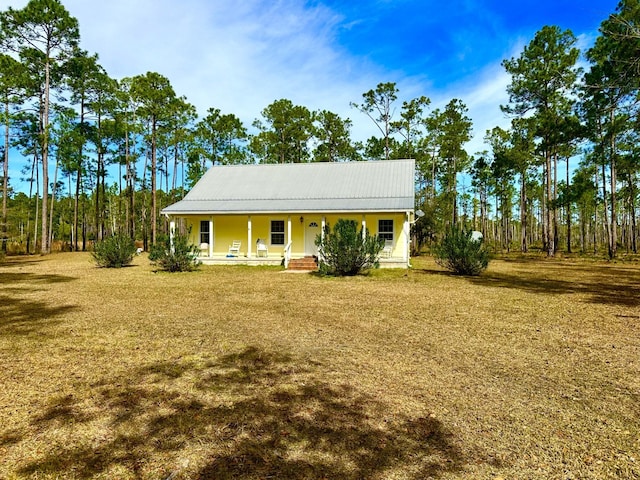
[(287, 255)]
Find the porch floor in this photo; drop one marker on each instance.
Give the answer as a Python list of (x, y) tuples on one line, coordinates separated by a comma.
[(223, 259)]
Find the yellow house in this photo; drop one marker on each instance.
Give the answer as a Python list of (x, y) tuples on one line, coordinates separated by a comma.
[(272, 213)]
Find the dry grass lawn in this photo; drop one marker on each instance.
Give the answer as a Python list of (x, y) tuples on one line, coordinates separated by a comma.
[(530, 371)]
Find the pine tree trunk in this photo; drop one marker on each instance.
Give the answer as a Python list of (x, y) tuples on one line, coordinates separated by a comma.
[(45, 248), (549, 209), (614, 215), (5, 179), (568, 204), (53, 198), (153, 181), (607, 223), (523, 213), (555, 203), (76, 208)]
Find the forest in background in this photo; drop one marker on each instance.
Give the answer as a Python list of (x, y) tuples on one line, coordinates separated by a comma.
[(104, 155)]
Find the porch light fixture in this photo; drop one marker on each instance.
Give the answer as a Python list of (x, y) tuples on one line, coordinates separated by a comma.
[(301, 219)]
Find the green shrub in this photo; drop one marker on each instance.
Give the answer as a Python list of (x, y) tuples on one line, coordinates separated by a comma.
[(183, 257), (114, 252), (460, 253), (346, 251)]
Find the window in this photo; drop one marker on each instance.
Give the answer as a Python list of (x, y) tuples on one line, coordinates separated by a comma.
[(385, 229), (204, 231), (277, 232)]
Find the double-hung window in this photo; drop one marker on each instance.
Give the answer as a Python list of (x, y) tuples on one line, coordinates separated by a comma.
[(277, 232), (204, 231), (385, 230)]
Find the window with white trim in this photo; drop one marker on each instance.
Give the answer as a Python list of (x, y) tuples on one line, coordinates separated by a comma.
[(204, 231), (277, 232), (385, 230)]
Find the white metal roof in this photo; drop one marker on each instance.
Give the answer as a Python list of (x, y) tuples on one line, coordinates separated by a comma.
[(375, 186)]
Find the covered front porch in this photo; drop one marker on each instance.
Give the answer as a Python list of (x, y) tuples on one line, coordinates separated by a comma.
[(272, 239)]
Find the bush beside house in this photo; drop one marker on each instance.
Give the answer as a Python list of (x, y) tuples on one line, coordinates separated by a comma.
[(345, 250), (461, 252), (114, 252)]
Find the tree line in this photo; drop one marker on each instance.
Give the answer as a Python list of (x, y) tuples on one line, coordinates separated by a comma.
[(75, 124)]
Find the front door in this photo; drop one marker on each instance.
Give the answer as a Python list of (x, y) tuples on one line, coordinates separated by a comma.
[(311, 230)]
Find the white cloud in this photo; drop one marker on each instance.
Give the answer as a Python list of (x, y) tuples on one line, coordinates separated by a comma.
[(236, 56), (483, 99)]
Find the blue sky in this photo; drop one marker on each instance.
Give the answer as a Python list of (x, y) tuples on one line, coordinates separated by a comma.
[(241, 55)]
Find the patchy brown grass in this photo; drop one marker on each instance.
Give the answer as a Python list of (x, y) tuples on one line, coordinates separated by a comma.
[(528, 371)]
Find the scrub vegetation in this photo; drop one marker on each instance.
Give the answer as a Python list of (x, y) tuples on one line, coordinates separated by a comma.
[(179, 256), (462, 253), (116, 251), (345, 250), (529, 370)]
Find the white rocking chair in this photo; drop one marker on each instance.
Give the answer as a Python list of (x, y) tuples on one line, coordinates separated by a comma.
[(261, 249), (387, 250), (234, 248)]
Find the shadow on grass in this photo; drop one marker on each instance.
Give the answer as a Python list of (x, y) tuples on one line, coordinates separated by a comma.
[(20, 261), (252, 414), (602, 284), (20, 315), (9, 278)]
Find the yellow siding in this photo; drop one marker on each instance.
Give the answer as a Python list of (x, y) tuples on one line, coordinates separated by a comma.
[(227, 228), (261, 228), (192, 224)]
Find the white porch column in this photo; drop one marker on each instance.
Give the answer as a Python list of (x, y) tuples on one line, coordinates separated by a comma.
[(210, 236), (364, 227), (323, 226), (407, 236), (172, 233), (249, 240), (288, 231)]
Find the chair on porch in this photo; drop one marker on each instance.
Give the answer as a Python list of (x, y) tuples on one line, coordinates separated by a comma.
[(204, 249), (261, 249), (234, 248), (387, 250)]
